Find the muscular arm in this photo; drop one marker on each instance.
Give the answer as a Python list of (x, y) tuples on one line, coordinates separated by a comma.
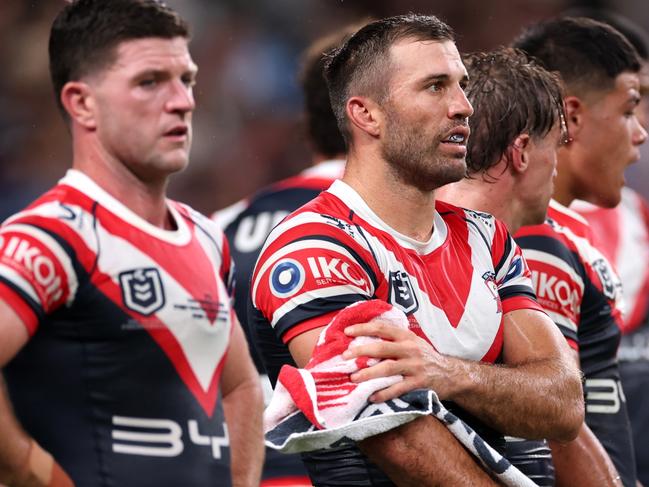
[(23, 463), (243, 407), (539, 383), (401, 451), (583, 462)]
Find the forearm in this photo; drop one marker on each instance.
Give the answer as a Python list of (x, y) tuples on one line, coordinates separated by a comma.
[(583, 462), (539, 399), (23, 463), (424, 452), (243, 408)]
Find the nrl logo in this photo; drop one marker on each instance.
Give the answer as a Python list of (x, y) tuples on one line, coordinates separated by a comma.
[(142, 290), (402, 293), (606, 278)]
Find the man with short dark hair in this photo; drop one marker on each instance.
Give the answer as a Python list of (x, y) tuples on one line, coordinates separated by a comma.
[(122, 355), (396, 87), (574, 281)]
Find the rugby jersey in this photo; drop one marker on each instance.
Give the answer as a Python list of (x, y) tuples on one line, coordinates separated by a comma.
[(582, 293), (334, 251), (130, 326)]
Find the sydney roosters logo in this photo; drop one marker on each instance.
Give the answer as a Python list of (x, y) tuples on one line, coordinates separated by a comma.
[(490, 281)]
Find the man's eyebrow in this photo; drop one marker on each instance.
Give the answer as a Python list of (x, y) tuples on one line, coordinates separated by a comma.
[(444, 77), (435, 77)]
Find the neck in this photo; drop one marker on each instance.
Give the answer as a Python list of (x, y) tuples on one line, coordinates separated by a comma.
[(564, 185), (404, 208), (495, 198), (147, 199)]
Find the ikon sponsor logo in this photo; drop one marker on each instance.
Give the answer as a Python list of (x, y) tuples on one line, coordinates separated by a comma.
[(286, 278), (41, 267), (142, 290), (557, 290), (326, 270)]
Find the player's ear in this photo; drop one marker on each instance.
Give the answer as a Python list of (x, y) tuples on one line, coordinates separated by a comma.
[(574, 108), (78, 100), (520, 157), (364, 114)]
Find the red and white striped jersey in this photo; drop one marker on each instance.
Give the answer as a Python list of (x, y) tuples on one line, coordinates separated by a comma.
[(581, 292), (335, 250), (130, 326), (623, 235), (573, 279)]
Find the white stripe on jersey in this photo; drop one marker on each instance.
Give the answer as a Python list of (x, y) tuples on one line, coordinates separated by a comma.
[(303, 244), (17, 280), (326, 292), (552, 260), (53, 246), (86, 185), (466, 340), (203, 350)]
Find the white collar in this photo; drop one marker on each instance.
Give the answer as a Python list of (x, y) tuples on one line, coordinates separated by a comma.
[(352, 199), (80, 181)]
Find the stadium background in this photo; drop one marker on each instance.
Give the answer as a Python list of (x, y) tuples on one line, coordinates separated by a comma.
[(247, 125)]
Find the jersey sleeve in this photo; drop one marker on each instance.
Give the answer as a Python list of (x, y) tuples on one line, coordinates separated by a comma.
[(36, 271), (305, 274), (557, 275), (512, 275)]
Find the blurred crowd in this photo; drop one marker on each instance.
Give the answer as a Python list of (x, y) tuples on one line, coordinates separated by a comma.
[(247, 125)]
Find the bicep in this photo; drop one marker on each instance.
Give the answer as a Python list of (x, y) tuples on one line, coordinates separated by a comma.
[(238, 368), (301, 347), (13, 333), (529, 335)]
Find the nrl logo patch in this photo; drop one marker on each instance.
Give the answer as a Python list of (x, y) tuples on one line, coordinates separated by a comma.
[(606, 278), (142, 290), (401, 292)]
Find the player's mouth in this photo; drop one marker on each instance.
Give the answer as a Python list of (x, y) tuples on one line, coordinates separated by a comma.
[(177, 133), (456, 138)]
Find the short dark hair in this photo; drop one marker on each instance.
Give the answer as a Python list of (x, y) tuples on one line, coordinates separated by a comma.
[(85, 34), (629, 29), (511, 95), (360, 66), (321, 123), (587, 54)]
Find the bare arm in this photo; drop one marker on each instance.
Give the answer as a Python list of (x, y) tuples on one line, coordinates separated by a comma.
[(583, 462), (539, 383), (23, 463), (401, 453), (243, 406)]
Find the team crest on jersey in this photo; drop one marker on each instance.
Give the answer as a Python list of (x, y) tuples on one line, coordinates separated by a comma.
[(402, 293), (286, 278), (142, 290), (605, 276), (490, 281)]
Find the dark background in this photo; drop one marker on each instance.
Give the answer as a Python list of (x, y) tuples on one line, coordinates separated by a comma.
[(247, 123)]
